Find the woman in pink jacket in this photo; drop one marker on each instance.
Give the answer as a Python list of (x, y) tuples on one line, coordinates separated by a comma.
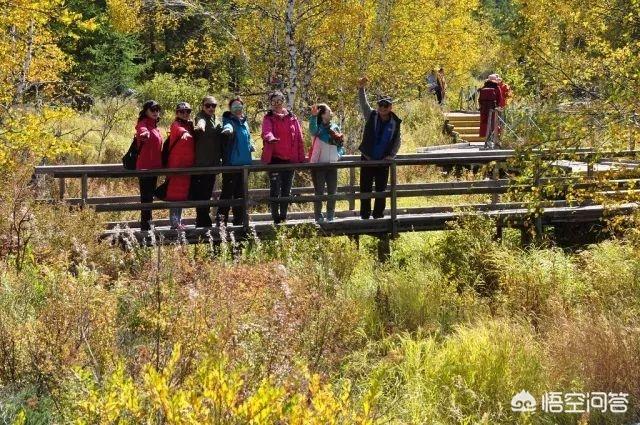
[(283, 144)]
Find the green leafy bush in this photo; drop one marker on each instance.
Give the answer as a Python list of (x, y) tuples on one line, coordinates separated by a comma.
[(168, 90)]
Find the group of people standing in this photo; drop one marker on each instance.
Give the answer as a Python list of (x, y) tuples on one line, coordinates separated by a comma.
[(492, 97), (200, 142), (203, 142)]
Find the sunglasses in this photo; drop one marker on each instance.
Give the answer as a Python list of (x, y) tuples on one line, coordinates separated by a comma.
[(210, 105), (277, 101), (155, 109), (384, 104), (184, 111)]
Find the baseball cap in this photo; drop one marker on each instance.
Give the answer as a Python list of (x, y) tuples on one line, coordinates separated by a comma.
[(384, 100), (183, 106)]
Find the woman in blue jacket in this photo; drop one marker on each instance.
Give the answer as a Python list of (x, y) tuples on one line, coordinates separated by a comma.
[(237, 151)]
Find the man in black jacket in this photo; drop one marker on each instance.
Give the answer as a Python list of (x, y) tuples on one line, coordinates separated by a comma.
[(208, 153), (380, 140)]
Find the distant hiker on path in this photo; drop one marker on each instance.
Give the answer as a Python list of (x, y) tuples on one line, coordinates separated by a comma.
[(441, 88), (489, 98)]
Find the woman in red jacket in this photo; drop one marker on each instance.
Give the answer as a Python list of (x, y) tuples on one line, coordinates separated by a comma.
[(283, 144), (489, 99), (181, 155), (149, 141)]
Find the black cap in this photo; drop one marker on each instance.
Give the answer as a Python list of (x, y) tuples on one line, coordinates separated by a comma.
[(150, 104), (384, 100), (182, 106)]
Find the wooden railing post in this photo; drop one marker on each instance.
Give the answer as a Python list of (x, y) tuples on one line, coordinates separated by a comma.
[(495, 198), (539, 228), (62, 186), (352, 188), (245, 197), (394, 200), (84, 185)]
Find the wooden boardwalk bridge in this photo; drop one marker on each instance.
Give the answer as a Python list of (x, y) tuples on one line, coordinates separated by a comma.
[(556, 212)]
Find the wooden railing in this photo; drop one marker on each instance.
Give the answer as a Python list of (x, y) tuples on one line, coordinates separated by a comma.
[(349, 192)]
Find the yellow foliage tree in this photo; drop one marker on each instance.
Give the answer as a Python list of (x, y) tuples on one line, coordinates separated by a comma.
[(581, 50), (32, 136), (124, 15), (322, 47), (29, 56)]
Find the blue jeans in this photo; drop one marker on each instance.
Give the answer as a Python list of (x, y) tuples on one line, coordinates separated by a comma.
[(175, 216)]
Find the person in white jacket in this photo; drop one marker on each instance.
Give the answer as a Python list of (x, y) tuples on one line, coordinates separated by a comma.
[(325, 148)]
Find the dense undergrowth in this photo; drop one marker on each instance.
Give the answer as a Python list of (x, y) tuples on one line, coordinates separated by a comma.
[(310, 330)]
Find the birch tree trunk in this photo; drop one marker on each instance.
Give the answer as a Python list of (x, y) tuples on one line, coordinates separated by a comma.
[(23, 81), (290, 28)]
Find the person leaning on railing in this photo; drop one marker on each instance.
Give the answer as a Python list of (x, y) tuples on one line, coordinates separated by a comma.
[(326, 147), (208, 151), (237, 151), (181, 155), (380, 140), (149, 143), (282, 144)]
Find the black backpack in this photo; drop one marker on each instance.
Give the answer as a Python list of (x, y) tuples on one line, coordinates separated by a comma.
[(130, 158)]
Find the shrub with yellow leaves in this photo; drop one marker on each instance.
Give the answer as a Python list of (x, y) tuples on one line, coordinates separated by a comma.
[(30, 136), (214, 392)]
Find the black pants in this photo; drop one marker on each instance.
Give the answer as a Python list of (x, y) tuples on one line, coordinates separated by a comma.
[(280, 185), (147, 186), (379, 174), (232, 188), (439, 95), (201, 189)]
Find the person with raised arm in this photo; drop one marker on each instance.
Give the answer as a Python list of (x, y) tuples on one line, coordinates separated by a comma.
[(380, 141), (326, 147)]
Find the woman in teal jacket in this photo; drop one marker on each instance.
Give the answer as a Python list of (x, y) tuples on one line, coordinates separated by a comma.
[(237, 151), (326, 147)]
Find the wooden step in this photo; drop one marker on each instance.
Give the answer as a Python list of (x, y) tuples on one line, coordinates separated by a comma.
[(461, 114), (465, 123), (474, 138), (463, 119), (467, 129)]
